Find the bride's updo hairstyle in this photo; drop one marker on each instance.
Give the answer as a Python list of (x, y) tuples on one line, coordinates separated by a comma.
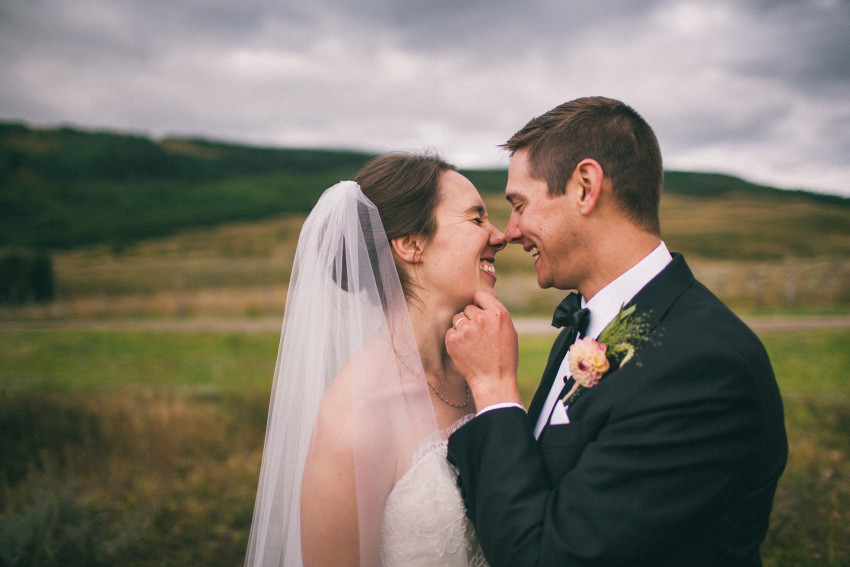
[(406, 190)]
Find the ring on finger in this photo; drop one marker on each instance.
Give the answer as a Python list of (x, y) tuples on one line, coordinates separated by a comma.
[(456, 324)]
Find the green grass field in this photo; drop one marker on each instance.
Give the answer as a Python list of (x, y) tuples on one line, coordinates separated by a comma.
[(143, 448)]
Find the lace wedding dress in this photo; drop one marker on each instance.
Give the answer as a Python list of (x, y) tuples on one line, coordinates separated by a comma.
[(343, 295), (425, 523)]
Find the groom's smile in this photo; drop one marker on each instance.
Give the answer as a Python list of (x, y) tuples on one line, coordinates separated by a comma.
[(532, 250), (541, 224)]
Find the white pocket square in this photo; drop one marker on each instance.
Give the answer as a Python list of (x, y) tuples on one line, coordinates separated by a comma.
[(559, 414)]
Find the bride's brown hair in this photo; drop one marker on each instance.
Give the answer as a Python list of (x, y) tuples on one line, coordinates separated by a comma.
[(406, 190)]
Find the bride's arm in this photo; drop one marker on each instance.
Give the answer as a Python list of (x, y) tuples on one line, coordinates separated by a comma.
[(329, 533)]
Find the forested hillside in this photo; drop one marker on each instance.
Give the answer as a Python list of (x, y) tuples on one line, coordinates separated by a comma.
[(63, 188)]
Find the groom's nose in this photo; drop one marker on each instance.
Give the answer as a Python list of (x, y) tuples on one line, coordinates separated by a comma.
[(512, 232)]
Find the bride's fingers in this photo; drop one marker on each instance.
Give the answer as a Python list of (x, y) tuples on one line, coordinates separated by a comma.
[(471, 311), (458, 320), (468, 314)]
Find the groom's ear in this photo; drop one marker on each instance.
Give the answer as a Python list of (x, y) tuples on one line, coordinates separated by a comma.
[(409, 248), (589, 176)]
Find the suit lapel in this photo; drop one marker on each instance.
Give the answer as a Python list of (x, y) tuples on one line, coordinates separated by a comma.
[(559, 350), (663, 290), (656, 298)]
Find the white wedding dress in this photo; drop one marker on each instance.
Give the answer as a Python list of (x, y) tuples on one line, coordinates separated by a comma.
[(425, 523), (347, 316)]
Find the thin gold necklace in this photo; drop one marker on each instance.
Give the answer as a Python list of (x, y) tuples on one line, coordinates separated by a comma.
[(436, 391)]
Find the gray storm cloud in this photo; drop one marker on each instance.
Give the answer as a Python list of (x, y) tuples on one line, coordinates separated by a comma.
[(754, 88)]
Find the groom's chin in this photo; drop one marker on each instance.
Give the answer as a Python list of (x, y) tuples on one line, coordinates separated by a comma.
[(543, 282)]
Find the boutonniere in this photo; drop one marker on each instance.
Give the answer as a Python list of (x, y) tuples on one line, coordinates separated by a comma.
[(591, 359)]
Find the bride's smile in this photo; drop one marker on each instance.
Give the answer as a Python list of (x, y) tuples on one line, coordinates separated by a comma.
[(460, 258)]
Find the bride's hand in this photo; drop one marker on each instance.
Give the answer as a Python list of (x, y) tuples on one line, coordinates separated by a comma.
[(483, 345)]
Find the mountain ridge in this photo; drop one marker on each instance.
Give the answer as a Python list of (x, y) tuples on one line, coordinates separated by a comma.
[(66, 187)]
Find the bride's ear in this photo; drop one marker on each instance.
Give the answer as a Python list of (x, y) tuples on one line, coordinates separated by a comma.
[(408, 248)]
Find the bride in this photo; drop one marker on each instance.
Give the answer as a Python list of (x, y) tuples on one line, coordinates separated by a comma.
[(365, 396)]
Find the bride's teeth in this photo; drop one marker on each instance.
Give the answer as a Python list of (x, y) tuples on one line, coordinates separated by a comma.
[(488, 267), (534, 251)]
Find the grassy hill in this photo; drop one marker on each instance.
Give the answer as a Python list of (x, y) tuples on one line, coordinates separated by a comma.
[(64, 188)]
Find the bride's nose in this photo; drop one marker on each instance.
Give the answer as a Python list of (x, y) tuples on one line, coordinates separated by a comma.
[(497, 239)]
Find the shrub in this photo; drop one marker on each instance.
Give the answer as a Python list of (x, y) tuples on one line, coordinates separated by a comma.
[(26, 278)]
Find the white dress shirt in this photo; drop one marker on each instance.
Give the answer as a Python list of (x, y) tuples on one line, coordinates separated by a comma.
[(603, 307)]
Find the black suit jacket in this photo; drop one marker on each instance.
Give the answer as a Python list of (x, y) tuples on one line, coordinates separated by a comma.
[(672, 459)]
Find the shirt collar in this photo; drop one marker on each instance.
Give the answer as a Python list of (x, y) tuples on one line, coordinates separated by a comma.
[(605, 305)]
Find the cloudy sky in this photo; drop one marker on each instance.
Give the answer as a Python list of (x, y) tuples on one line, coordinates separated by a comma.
[(756, 88)]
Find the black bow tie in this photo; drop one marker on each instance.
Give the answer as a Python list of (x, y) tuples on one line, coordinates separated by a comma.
[(569, 313)]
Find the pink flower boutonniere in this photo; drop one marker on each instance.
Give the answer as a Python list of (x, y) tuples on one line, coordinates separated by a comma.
[(588, 362), (590, 359)]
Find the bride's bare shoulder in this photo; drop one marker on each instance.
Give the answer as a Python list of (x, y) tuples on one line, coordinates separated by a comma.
[(363, 385), (333, 422), (367, 397)]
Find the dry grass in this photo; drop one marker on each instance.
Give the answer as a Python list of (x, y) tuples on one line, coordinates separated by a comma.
[(143, 448), (252, 287), (157, 478), (757, 254)]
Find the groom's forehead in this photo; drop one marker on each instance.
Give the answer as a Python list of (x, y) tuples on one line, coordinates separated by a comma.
[(515, 193)]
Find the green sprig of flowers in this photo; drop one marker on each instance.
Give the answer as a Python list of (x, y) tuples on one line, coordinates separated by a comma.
[(622, 337), (627, 332)]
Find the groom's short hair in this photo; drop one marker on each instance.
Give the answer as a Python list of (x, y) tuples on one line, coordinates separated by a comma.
[(608, 131)]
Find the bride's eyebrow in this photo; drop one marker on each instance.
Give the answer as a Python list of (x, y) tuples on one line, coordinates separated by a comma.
[(476, 210)]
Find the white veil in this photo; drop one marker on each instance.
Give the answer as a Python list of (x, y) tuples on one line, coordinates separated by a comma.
[(345, 310)]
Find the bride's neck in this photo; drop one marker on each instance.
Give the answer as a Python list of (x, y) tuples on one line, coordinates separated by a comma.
[(430, 324)]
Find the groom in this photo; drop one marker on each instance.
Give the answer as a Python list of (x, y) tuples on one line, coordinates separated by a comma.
[(673, 457)]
